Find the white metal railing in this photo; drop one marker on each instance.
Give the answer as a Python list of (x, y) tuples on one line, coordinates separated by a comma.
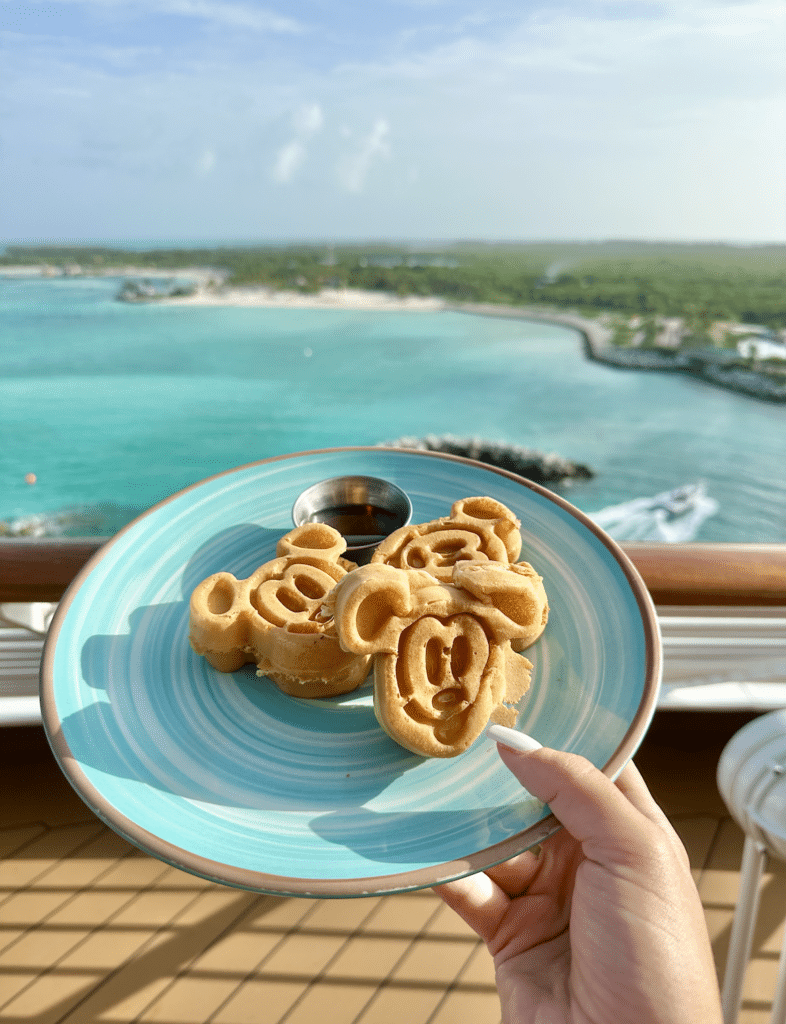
[(723, 658), (23, 628), (714, 659)]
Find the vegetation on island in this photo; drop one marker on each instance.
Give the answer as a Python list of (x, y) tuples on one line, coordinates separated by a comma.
[(705, 283)]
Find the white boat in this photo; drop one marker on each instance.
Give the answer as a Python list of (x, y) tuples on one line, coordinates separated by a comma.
[(672, 517)]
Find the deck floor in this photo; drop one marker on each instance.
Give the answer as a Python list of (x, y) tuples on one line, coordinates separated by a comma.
[(92, 930)]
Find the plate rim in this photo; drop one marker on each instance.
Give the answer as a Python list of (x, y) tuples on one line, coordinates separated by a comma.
[(283, 885)]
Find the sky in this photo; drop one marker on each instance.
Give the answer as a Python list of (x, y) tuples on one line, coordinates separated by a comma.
[(204, 120)]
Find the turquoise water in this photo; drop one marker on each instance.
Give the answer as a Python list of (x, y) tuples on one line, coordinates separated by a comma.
[(115, 406)]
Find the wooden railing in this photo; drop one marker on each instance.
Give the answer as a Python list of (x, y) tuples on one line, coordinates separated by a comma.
[(675, 574), (41, 570), (712, 574)]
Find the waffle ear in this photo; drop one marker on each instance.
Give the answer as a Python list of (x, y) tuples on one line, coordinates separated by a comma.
[(477, 530), (492, 515), (373, 605), (511, 598), (218, 624), (314, 540), (273, 618)]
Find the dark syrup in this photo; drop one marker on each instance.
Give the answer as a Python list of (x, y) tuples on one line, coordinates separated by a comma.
[(359, 524)]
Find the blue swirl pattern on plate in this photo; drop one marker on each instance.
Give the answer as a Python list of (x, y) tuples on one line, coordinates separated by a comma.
[(227, 777)]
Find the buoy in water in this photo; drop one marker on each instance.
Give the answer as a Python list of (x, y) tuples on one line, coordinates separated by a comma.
[(30, 478)]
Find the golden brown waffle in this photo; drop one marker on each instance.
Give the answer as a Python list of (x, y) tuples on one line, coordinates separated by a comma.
[(273, 617)]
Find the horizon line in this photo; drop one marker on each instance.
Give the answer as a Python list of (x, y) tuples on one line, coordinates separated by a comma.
[(193, 243)]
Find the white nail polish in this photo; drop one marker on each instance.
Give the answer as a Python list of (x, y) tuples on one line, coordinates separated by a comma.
[(511, 739)]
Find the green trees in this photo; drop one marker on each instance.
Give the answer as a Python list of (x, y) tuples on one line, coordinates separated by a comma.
[(701, 283)]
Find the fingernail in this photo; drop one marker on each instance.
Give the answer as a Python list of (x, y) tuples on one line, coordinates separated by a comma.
[(511, 739)]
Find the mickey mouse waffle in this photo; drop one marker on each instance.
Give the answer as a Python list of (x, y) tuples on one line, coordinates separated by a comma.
[(443, 660), (442, 611), (477, 529), (272, 618)]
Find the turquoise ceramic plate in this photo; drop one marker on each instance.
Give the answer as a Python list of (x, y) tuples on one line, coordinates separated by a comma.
[(228, 778)]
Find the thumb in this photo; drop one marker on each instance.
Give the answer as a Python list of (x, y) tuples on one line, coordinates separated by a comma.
[(586, 802)]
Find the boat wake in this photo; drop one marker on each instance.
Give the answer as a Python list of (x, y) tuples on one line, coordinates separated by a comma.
[(672, 517)]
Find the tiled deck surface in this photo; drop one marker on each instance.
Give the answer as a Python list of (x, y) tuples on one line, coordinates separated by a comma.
[(91, 930)]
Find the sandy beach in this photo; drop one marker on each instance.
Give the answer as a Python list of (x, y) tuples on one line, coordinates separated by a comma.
[(328, 298), (210, 290)]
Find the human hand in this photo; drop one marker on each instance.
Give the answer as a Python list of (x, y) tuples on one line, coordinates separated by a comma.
[(604, 924)]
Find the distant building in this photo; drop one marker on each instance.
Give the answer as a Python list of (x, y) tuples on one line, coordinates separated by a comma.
[(672, 331), (722, 329), (761, 348)]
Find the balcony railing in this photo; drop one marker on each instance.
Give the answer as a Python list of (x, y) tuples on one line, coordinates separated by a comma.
[(675, 574), (721, 610)]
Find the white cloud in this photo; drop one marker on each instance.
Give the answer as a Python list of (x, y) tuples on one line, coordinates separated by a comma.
[(235, 15), (206, 161), (306, 122), (354, 169), (288, 160), (308, 119)]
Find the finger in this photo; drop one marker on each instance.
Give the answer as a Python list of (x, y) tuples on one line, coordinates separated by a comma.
[(629, 780), (632, 785), (586, 802), (478, 900), (514, 876), (551, 871)]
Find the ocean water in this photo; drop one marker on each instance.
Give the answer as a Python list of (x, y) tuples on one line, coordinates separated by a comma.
[(115, 406)]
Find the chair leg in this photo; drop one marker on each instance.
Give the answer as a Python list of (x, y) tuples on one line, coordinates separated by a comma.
[(754, 857), (779, 1000)]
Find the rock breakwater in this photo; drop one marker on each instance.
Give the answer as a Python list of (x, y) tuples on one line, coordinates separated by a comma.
[(545, 468)]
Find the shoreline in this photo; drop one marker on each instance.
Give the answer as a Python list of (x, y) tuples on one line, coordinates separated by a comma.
[(597, 346)]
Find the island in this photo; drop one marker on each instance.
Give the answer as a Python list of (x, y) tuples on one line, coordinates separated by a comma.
[(714, 311)]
